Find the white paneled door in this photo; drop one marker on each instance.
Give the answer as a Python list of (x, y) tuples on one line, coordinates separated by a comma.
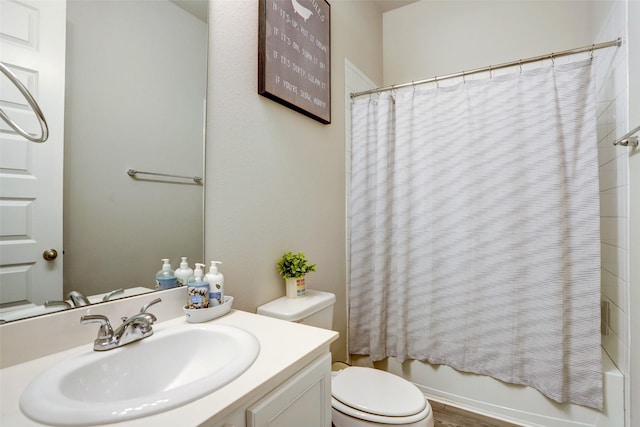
[(32, 45)]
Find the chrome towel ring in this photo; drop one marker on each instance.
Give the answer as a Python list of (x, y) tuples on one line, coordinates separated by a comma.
[(44, 128)]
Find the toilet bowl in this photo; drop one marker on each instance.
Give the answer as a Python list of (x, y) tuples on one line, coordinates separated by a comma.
[(366, 397), (360, 397)]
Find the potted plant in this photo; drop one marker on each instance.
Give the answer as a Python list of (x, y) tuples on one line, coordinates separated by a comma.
[(293, 267)]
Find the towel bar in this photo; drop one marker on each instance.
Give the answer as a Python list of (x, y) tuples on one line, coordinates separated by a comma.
[(628, 139), (132, 173)]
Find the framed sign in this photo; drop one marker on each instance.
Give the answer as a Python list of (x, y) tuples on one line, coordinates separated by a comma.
[(294, 55)]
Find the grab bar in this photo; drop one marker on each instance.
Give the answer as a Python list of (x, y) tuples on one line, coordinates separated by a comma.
[(44, 128), (627, 139), (132, 173)]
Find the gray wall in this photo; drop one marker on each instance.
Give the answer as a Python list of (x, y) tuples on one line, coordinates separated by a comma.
[(276, 178)]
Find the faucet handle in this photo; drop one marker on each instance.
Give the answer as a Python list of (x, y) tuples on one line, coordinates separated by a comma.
[(149, 304), (48, 304), (144, 321), (105, 331), (150, 318), (109, 295)]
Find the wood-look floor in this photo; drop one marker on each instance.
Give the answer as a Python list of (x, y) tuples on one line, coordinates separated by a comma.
[(450, 416)]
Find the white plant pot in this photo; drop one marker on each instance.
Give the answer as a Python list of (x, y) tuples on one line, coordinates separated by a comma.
[(295, 287)]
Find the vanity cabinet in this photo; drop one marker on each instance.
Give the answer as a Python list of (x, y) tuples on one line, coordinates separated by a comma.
[(237, 419), (304, 399), (288, 385)]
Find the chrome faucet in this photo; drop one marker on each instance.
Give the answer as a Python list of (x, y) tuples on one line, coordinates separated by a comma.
[(134, 328)]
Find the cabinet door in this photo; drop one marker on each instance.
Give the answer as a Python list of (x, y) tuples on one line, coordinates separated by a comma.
[(304, 400), (237, 419)]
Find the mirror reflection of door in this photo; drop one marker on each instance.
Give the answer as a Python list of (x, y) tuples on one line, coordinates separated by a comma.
[(32, 46)]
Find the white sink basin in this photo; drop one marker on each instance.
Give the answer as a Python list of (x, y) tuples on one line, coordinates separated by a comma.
[(169, 369)]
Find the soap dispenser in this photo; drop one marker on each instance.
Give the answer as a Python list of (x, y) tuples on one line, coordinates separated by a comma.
[(216, 285), (184, 273), (166, 278), (198, 289)]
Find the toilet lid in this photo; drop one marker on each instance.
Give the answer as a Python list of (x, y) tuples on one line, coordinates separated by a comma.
[(377, 392)]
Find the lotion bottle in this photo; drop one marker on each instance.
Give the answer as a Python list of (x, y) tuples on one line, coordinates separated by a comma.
[(198, 289), (184, 273), (216, 285), (166, 278)]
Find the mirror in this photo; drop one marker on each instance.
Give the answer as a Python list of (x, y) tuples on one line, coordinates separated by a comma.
[(134, 99)]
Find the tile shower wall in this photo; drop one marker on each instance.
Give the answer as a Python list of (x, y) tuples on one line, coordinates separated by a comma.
[(612, 93)]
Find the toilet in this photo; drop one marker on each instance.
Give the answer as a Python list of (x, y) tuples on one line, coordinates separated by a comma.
[(360, 397)]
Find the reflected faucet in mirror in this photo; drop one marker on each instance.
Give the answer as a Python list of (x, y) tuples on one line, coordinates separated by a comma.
[(78, 299), (62, 304), (113, 293)]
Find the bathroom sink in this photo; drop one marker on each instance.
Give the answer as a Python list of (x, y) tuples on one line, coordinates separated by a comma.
[(171, 368)]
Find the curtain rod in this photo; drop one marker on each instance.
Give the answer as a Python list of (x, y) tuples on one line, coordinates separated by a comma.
[(553, 55)]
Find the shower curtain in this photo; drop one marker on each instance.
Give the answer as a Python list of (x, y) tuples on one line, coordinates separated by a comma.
[(474, 229)]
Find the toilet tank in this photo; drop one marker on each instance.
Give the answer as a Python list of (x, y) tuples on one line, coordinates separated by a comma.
[(315, 308)]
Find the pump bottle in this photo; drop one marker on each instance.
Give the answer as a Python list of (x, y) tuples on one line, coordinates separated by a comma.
[(216, 285), (184, 273), (198, 289), (166, 278)]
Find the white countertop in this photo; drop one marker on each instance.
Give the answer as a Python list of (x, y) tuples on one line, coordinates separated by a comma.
[(285, 348)]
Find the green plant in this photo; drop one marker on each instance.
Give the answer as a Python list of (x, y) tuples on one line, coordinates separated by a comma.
[(294, 265)]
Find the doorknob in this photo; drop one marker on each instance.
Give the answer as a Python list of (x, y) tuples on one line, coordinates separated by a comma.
[(50, 254)]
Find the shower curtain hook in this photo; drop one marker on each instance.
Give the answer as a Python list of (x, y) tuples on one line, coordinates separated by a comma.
[(464, 80), (413, 83), (435, 79), (593, 46), (553, 60), (520, 64), (490, 71)]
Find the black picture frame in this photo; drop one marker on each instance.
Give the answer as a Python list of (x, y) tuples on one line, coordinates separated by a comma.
[(294, 55)]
